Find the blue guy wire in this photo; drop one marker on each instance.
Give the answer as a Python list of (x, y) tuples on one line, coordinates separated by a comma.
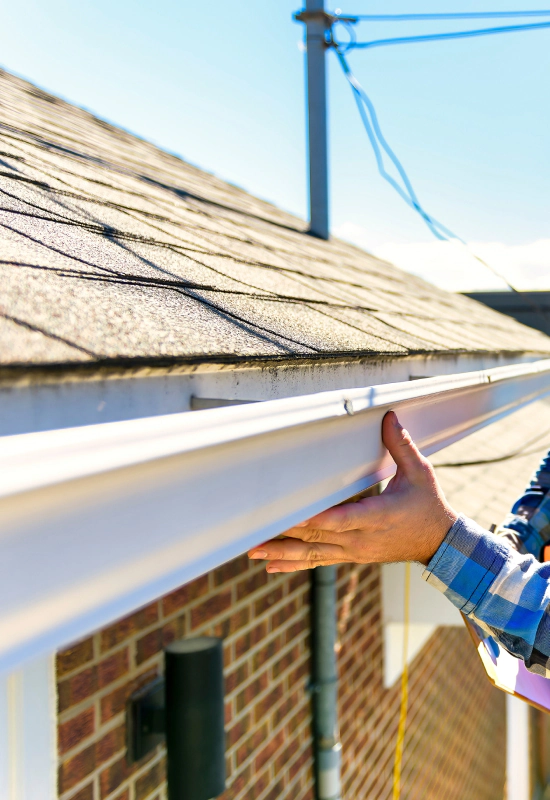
[(434, 37), (452, 15), (407, 192), (379, 142)]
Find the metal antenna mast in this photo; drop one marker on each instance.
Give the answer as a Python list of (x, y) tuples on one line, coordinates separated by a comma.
[(317, 22)]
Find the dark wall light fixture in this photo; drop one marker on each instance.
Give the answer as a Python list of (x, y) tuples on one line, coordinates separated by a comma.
[(187, 709)]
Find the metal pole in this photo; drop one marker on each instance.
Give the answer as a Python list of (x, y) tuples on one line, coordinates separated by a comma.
[(327, 748), (317, 22)]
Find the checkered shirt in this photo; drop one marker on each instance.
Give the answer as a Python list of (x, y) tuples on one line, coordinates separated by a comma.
[(506, 592)]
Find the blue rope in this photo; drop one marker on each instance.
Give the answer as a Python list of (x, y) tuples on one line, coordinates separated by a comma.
[(406, 192), (379, 143), (434, 37), (454, 15)]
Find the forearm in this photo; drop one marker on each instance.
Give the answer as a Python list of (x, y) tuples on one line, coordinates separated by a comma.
[(505, 592)]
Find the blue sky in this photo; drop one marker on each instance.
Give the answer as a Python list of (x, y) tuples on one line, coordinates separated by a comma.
[(222, 85)]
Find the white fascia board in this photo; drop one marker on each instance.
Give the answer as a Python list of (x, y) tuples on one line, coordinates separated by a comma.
[(39, 401), (97, 521)]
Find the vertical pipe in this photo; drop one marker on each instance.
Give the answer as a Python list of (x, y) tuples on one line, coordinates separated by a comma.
[(325, 684), (316, 25)]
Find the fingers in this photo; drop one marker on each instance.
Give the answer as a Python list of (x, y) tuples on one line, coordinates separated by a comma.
[(337, 520), (400, 445), (296, 566), (296, 550)]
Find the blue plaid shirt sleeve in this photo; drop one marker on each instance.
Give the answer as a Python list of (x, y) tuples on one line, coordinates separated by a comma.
[(505, 592)]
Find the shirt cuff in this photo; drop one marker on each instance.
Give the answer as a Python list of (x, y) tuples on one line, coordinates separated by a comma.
[(466, 564)]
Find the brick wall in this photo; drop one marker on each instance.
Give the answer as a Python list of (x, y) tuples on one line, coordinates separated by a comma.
[(455, 738), (264, 621)]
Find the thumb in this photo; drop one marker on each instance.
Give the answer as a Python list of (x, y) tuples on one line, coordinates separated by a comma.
[(400, 445)]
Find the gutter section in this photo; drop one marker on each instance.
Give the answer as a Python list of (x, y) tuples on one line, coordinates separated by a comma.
[(96, 521)]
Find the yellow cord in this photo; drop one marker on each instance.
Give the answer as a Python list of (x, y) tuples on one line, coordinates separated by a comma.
[(404, 690)]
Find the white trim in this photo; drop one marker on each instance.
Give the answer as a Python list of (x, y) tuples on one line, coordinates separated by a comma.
[(39, 401), (96, 521), (28, 732), (518, 776), (428, 610)]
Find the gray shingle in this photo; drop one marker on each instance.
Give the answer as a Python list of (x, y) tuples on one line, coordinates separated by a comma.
[(111, 248)]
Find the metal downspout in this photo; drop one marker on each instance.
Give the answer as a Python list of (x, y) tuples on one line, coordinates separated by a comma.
[(326, 744)]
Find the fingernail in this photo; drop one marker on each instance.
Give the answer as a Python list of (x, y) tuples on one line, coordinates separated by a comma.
[(258, 554), (273, 569), (396, 423)]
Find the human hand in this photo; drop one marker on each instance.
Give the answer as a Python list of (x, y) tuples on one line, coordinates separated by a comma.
[(407, 522)]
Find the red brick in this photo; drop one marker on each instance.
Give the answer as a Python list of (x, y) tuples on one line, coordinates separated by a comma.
[(251, 638), (269, 750), (253, 742), (275, 792), (261, 782), (253, 689), (284, 613), (128, 626), (236, 677), (267, 600), (296, 720), (75, 656), (242, 781), (252, 583), (111, 777), (300, 762), (262, 708), (151, 780), (301, 671), (110, 744), (76, 729), (285, 708), (75, 769), (79, 687), (185, 595), (87, 793), (230, 570), (293, 631), (113, 667), (238, 730), (297, 580), (269, 649), (233, 623), (211, 608), (286, 661), (149, 645), (175, 629)]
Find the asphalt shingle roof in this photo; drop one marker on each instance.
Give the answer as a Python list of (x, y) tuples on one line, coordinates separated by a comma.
[(113, 250), (487, 491)]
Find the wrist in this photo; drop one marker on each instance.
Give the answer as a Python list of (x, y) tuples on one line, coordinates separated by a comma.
[(441, 528)]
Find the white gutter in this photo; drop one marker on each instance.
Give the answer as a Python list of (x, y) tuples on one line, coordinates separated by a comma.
[(96, 521)]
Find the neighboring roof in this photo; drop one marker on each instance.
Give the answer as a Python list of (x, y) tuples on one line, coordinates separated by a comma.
[(113, 250), (487, 491), (529, 308)]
